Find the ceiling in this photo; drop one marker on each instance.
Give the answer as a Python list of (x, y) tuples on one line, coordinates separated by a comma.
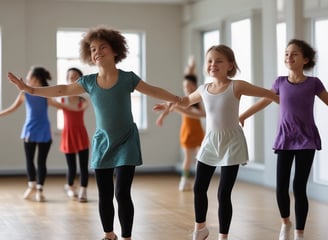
[(179, 2)]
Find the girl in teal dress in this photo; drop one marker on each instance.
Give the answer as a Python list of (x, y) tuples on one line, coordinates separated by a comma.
[(116, 144)]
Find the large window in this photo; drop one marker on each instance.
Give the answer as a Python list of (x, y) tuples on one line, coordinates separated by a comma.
[(241, 45), (210, 38), (281, 46), (68, 56), (321, 163)]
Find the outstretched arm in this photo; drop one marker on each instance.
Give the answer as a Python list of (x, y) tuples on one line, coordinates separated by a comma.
[(53, 91), (189, 100), (16, 104), (259, 105), (157, 92), (52, 102), (81, 106), (165, 108), (324, 97), (245, 88), (191, 112)]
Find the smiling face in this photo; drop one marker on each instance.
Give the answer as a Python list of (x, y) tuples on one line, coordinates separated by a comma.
[(217, 64), (294, 59), (101, 53)]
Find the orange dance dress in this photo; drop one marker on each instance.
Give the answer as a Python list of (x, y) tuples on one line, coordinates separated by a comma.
[(74, 134), (191, 132)]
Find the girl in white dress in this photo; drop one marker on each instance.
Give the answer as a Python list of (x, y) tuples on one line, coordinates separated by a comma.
[(224, 144)]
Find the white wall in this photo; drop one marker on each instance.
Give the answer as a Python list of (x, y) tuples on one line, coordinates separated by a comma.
[(28, 30)]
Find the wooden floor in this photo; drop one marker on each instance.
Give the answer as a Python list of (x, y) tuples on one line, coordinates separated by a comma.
[(161, 212)]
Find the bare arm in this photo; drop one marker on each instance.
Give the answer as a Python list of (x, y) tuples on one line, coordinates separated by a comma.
[(52, 91), (324, 97), (82, 106), (247, 89), (191, 99), (165, 108), (156, 92), (52, 102), (191, 112), (16, 104), (259, 105)]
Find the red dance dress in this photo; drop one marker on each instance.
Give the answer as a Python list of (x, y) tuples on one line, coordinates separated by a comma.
[(74, 134)]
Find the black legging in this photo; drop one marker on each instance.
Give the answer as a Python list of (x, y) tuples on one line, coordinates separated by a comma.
[(71, 164), (303, 164), (105, 182), (43, 150), (203, 177)]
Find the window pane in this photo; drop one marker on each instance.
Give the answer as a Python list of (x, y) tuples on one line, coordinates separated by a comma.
[(241, 45), (210, 38), (321, 163), (281, 46)]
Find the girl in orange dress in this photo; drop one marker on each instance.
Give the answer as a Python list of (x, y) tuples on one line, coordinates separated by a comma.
[(191, 130), (75, 140)]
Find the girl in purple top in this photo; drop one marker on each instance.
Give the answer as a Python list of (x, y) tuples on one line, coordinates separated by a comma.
[(297, 135)]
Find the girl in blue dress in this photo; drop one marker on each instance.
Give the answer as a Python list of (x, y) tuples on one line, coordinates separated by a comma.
[(36, 132)]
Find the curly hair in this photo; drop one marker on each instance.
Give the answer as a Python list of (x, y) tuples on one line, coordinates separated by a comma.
[(228, 53), (113, 37), (307, 52)]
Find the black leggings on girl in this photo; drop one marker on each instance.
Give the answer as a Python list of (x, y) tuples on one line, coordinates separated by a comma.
[(203, 177), (43, 150), (105, 182), (71, 164), (303, 164)]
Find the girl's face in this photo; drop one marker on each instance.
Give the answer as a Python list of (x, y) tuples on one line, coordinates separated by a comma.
[(217, 64), (72, 76), (101, 52), (294, 59), (32, 80), (188, 87)]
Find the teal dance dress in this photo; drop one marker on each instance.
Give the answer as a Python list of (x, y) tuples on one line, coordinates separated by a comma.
[(116, 139)]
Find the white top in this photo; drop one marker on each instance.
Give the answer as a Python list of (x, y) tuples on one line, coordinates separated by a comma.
[(224, 143)]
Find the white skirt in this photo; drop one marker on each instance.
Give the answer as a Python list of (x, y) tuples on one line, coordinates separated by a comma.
[(224, 148)]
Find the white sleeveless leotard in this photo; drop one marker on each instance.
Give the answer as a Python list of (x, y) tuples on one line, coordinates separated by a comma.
[(224, 143)]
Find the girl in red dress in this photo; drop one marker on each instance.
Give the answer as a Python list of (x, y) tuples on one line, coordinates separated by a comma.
[(75, 140)]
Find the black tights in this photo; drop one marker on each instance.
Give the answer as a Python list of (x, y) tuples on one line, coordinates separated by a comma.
[(203, 177), (105, 183), (43, 150), (71, 164), (303, 164)]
